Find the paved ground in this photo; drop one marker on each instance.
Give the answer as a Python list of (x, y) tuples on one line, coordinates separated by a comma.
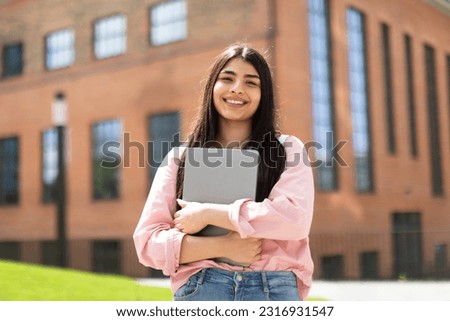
[(366, 290)]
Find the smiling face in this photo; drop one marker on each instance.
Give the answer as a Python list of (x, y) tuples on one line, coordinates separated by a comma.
[(237, 92)]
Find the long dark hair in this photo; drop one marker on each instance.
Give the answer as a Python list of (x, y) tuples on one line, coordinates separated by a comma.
[(263, 134)]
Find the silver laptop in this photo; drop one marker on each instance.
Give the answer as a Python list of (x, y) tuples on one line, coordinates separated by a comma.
[(216, 175)]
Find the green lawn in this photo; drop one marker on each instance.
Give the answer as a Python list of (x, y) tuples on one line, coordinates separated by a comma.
[(24, 282)]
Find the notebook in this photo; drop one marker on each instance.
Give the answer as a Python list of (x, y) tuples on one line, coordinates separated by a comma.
[(216, 175)]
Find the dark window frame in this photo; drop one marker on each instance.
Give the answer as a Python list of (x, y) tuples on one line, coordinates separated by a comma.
[(388, 88), (437, 183), (16, 69), (409, 65), (9, 198)]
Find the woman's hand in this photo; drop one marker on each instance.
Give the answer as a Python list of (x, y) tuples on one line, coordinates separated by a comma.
[(244, 250), (190, 218)]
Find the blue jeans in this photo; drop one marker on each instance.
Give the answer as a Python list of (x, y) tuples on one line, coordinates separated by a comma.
[(220, 285)]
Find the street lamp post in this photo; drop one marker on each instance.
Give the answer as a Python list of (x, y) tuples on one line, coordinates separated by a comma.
[(59, 112)]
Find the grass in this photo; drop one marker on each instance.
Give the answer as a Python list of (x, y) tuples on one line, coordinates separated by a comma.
[(28, 282)]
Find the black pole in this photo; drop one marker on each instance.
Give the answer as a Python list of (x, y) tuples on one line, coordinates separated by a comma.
[(61, 198)]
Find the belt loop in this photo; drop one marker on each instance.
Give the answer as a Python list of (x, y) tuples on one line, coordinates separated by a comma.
[(202, 276), (264, 281)]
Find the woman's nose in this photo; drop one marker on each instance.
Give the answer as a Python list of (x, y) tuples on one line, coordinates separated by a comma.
[(237, 88)]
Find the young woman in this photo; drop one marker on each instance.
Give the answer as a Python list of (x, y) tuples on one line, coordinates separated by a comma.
[(270, 233)]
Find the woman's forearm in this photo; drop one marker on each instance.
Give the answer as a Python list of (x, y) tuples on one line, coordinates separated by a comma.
[(217, 215), (231, 245), (196, 248)]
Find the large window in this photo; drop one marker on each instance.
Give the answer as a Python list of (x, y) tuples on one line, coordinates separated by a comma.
[(388, 95), (411, 97), (49, 164), (322, 97), (164, 132), (110, 36), (433, 121), (9, 171), (168, 22), (359, 103), (12, 62), (60, 49), (106, 158)]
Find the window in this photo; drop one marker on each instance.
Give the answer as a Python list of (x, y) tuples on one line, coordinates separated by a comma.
[(106, 257), (168, 22), (359, 100), (321, 86), (9, 171), (433, 122), (12, 64), (49, 164), (411, 98), (389, 102), (440, 260), (106, 158), (369, 265), (332, 267), (10, 251), (110, 36), (164, 132), (60, 49), (50, 253), (407, 245)]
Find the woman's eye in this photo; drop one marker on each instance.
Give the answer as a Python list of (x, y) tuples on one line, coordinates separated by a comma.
[(226, 79), (251, 83)]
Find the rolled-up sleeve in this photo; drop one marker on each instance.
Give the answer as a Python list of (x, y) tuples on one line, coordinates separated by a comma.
[(287, 213), (157, 241)]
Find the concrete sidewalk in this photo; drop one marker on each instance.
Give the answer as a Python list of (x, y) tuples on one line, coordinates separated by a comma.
[(381, 290), (365, 290)]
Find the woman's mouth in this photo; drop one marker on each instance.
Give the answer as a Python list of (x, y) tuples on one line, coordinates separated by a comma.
[(235, 102)]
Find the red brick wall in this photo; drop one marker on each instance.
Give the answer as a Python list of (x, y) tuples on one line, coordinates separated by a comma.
[(147, 80)]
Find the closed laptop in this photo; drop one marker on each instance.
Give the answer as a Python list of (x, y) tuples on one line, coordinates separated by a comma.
[(222, 176)]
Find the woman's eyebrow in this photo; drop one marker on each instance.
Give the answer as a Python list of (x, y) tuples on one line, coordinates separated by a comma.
[(231, 72)]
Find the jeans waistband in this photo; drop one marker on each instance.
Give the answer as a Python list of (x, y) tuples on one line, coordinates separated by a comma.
[(265, 279)]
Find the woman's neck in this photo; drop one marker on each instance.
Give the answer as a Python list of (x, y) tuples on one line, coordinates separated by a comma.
[(232, 134)]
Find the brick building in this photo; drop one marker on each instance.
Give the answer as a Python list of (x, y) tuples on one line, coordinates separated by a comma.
[(371, 78)]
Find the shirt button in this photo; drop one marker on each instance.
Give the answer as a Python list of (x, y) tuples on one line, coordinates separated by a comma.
[(239, 278)]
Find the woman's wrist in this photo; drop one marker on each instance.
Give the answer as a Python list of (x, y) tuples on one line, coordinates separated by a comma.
[(217, 214)]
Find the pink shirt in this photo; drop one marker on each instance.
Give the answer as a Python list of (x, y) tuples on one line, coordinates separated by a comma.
[(283, 220)]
